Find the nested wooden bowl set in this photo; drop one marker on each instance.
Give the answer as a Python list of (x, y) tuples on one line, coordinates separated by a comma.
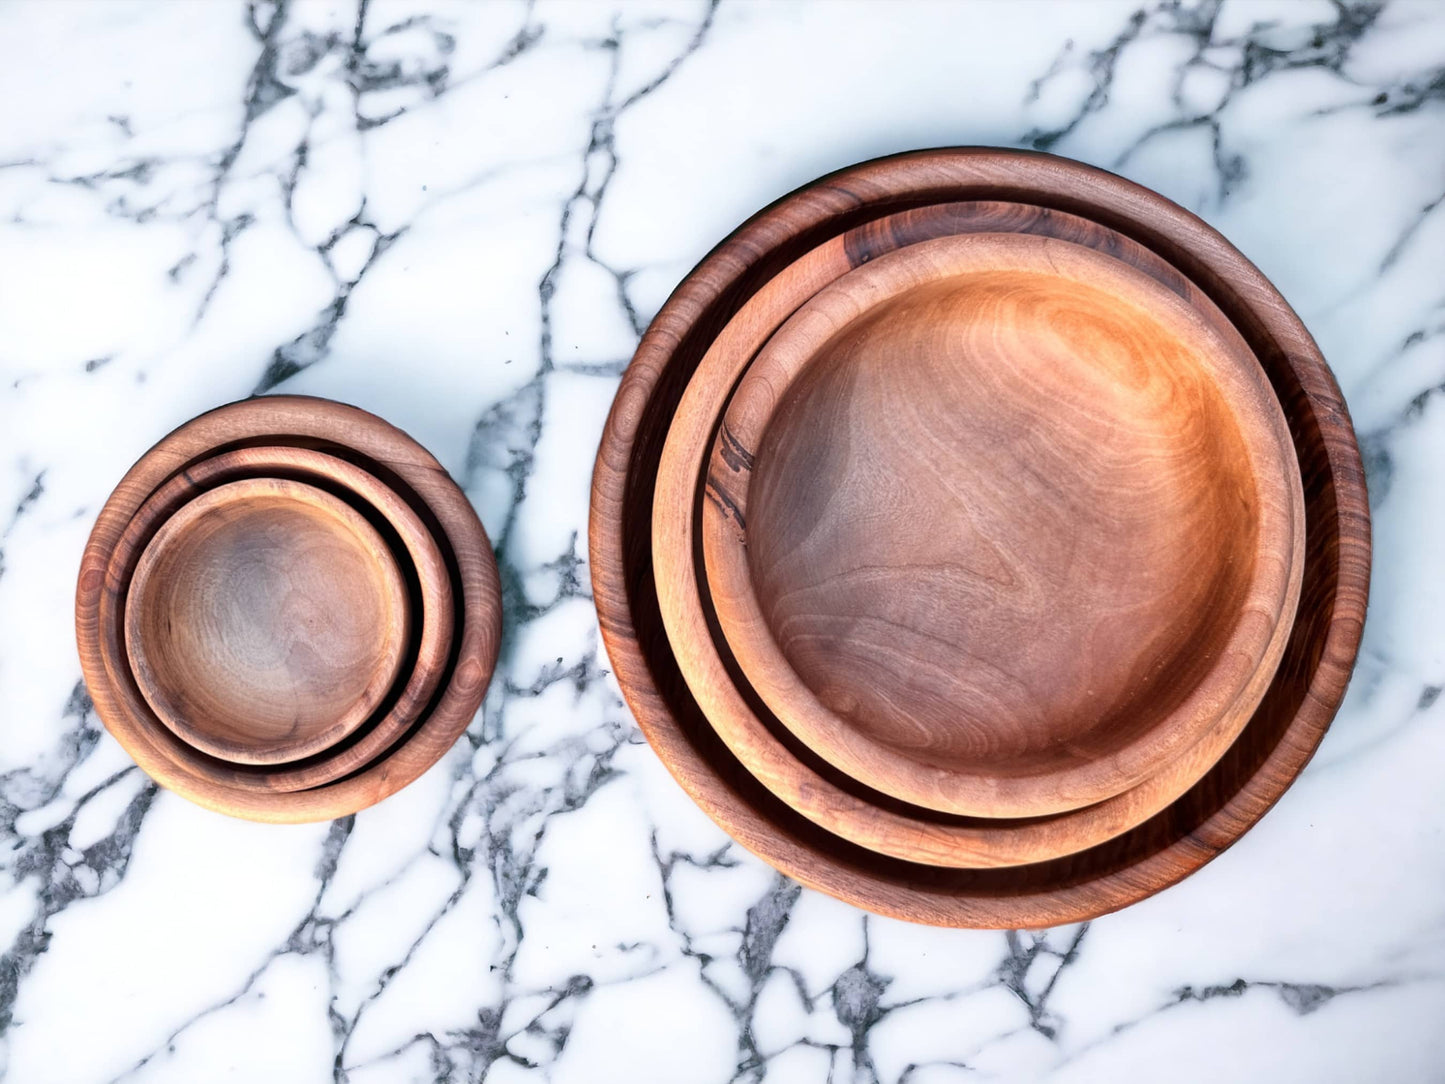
[(287, 611), (980, 538), (976, 536)]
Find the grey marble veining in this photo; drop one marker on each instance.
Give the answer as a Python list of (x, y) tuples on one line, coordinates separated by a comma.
[(462, 216)]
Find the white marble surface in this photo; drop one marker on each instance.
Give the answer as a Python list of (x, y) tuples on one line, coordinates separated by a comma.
[(461, 216)]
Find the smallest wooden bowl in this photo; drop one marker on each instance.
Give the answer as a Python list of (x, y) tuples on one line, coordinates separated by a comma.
[(266, 621)]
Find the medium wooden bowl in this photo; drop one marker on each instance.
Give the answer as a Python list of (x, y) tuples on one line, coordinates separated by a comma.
[(417, 478), (428, 586), (787, 768), (1243, 784), (1000, 526)]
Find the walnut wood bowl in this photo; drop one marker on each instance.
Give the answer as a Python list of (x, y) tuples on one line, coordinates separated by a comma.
[(266, 620), (403, 466), (428, 585), (769, 752), (1242, 785), (1000, 526)]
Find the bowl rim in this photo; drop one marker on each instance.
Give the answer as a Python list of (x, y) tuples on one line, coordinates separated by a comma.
[(398, 461), (1220, 703), (1216, 812), (385, 574)]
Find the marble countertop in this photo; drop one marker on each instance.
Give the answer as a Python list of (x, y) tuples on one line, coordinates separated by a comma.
[(461, 216)]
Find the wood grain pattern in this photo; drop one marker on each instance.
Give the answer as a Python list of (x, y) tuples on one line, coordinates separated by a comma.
[(999, 526), (762, 745), (1257, 768), (401, 464), (429, 586), (266, 620)]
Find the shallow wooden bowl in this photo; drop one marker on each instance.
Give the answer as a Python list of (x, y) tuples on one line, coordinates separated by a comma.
[(790, 770), (1243, 784), (265, 621), (404, 467), (428, 585), (1001, 526)]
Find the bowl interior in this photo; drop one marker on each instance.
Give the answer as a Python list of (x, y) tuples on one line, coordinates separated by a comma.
[(266, 621), (1000, 523)]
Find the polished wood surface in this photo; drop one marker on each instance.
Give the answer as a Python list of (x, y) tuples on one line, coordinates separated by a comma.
[(402, 465), (1247, 780), (428, 585), (265, 621), (1000, 526), (764, 747)]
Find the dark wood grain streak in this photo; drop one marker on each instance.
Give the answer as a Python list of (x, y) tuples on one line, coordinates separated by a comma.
[(405, 467), (1254, 772)]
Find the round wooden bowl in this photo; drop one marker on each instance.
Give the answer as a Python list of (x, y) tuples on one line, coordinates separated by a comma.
[(1242, 785), (1000, 526), (428, 585), (787, 768), (417, 478), (266, 621)]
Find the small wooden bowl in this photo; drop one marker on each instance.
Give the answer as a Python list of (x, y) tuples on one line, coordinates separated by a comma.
[(266, 621), (791, 772), (402, 466), (999, 526), (428, 586), (1243, 784)]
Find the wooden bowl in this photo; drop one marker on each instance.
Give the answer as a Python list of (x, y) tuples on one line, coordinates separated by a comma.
[(1000, 526), (1243, 784), (787, 768), (428, 584), (418, 479), (266, 621)]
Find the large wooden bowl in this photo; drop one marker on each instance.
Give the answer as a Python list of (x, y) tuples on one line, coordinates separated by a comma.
[(1001, 526), (417, 478), (764, 746), (1247, 780), (266, 621), (429, 588)]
